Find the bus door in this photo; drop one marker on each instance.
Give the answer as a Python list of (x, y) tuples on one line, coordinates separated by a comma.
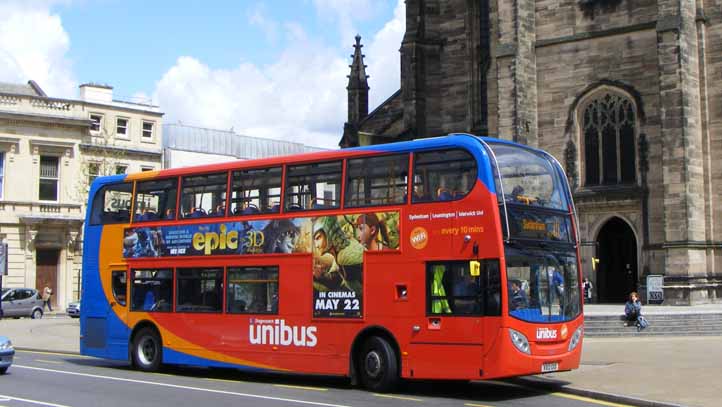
[(117, 312), (453, 328)]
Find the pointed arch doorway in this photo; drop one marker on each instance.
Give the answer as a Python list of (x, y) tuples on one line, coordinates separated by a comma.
[(617, 254)]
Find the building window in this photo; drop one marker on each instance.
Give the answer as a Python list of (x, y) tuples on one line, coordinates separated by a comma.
[(121, 127), (147, 130), (2, 172), (96, 122), (48, 178), (93, 172), (144, 169), (121, 169), (608, 126)]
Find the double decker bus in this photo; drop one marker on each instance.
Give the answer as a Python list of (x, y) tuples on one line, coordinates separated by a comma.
[(445, 258)]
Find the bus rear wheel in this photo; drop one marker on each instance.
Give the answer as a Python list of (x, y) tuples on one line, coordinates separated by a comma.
[(147, 351), (378, 366)]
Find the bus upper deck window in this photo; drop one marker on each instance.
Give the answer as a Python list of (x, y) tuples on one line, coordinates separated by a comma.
[(255, 191), (444, 175), (111, 204), (204, 195), (377, 180), (155, 199), (313, 186)]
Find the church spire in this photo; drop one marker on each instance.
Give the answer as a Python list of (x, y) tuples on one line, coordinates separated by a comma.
[(358, 87)]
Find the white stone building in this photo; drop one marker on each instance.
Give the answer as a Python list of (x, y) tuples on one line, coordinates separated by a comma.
[(50, 150)]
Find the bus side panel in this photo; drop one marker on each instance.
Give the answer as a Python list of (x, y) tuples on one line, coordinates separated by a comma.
[(445, 361), (103, 333), (93, 332), (295, 342)]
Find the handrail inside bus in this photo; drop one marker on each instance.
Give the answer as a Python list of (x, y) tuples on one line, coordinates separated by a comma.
[(501, 185)]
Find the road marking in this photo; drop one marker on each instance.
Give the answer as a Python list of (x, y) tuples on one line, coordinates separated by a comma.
[(391, 396), (288, 386), (31, 401), (49, 361), (222, 380), (589, 400), (73, 355), (476, 405), (176, 386)]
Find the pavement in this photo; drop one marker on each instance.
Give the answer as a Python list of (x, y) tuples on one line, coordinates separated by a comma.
[(660, 371)]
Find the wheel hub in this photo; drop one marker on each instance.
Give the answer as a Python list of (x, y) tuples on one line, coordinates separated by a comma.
[(146, 351), (372, 364)]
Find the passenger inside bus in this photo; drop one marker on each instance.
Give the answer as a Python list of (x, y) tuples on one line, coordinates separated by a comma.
[(220, 211), (518, 297), (466, 292), (443, 194)]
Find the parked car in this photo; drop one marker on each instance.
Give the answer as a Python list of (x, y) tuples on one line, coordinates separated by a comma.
[(22, 302), (73, 309), (7, 352)]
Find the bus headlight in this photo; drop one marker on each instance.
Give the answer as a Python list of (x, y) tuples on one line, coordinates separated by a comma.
[(519, 341), (576, 338)]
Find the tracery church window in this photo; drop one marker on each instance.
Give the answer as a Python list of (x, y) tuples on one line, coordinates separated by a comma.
[(608, 126)]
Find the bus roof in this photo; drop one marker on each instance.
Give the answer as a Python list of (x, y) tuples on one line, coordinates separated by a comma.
[(469, 141)]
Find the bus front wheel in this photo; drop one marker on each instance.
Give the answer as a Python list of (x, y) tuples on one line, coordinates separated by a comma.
[(147, 350), (378, 365)]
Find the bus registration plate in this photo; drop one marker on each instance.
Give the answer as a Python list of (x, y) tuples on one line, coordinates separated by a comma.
[(550, 367)]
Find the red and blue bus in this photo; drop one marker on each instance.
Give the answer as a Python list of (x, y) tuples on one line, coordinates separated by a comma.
[(443, 258)]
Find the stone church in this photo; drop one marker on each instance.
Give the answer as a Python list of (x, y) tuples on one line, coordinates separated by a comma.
[(626, 94)]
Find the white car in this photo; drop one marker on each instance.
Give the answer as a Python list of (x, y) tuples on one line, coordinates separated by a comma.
[(73, 309)]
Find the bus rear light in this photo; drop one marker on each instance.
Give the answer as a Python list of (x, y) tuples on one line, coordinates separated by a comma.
[(576, 338), (519, 341)]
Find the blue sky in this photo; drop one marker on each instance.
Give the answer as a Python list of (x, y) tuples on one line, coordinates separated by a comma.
[(269, 69)]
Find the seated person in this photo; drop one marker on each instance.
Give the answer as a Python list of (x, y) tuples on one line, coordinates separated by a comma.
[(517, 296), (149, 301), (197, 213), (169, 214), (146, 215), (443, 194), (220, 211)]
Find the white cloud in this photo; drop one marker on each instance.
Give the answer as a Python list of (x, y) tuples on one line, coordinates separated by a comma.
[(258, 18), (383, 58), (33, 46), (300, 97)]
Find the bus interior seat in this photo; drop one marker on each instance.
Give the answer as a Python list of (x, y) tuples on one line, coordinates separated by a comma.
[(443, 194), (250, 210)]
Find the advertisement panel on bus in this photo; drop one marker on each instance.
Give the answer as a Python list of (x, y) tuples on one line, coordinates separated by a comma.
[(337, 244)]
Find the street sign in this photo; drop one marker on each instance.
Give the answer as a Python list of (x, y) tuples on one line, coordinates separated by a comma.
[(655, 289)]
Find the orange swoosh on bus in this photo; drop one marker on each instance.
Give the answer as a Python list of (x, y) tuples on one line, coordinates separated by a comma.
[(111, 242)]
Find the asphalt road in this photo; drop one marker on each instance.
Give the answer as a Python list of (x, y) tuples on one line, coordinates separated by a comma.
[(48, 379)]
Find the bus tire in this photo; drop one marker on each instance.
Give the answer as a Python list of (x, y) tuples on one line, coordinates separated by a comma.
[(378, 366), (147, 350)]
